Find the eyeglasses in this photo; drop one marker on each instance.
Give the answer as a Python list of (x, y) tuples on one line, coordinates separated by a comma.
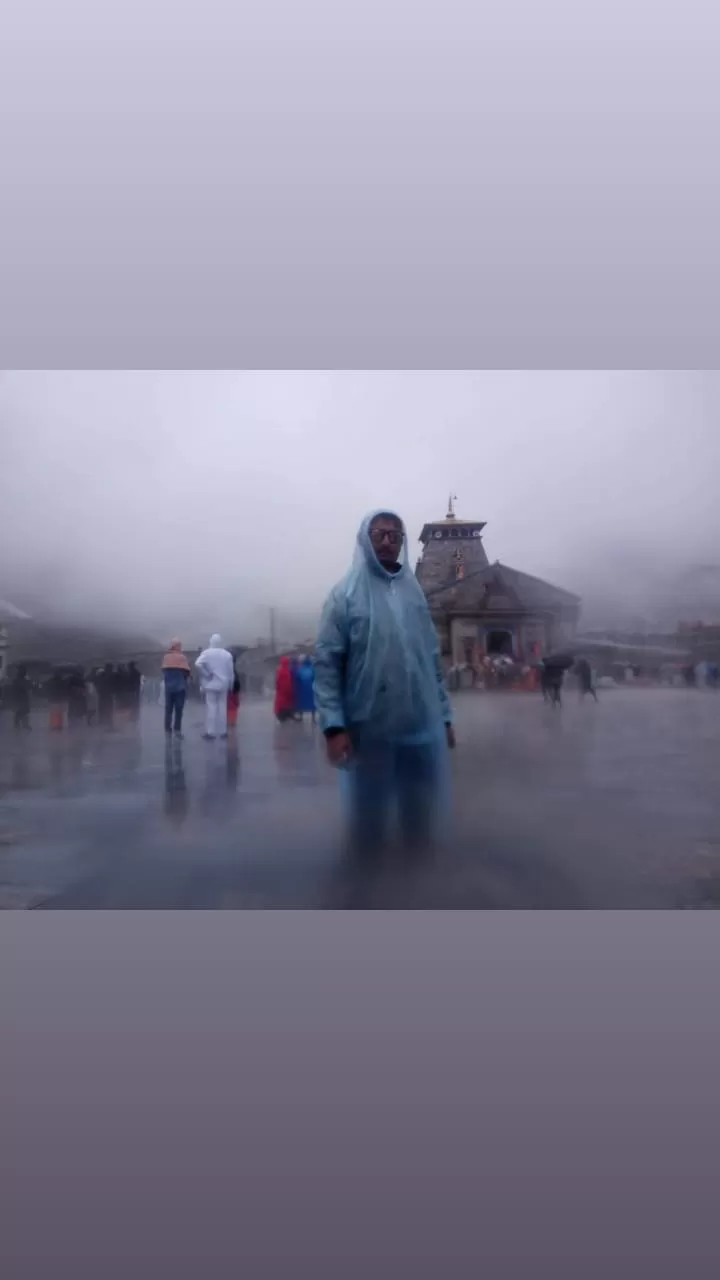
[(393, 536)]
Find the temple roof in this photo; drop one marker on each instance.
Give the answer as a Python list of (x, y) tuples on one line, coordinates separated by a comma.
[(451, 518), (449, 522), (531, 590), (525, 590)]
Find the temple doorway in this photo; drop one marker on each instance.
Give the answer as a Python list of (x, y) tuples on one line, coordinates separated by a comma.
[(499, 643)]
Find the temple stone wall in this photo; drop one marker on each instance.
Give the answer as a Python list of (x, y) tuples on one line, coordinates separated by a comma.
[(439, 562)]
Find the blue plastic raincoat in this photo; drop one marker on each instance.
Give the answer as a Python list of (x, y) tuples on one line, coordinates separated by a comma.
[(377, 659), (378, 672), (303, 683)]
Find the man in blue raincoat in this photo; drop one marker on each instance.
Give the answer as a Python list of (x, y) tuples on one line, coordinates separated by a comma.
[(380, 690)]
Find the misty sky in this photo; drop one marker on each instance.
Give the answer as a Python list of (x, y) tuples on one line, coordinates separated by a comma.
[(193, 501)]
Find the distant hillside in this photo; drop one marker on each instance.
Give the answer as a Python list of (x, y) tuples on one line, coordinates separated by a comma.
[(655, 601)]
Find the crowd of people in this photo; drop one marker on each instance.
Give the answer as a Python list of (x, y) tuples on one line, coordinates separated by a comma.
[(75, 696), (110, 695), (113, 694)]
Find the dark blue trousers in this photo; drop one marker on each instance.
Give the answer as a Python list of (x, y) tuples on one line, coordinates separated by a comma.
[(174, 707)]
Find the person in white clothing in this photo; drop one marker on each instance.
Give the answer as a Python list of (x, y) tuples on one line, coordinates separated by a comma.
[(217, 672)]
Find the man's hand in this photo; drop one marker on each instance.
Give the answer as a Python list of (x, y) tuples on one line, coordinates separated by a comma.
[(339, 749), (450, 734)]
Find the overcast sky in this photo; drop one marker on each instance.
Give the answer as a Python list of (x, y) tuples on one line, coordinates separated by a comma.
[(196, 500)]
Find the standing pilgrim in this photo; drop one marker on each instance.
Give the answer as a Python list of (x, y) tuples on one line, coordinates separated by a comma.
[(20, 696), (380, 690), (217, 674), (176, 673), (284, 705), (304, 685), (233, 698)]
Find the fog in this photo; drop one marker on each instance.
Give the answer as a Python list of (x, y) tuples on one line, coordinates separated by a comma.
[(195, 501)]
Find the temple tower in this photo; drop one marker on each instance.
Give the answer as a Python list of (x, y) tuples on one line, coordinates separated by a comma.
[(452, 549)]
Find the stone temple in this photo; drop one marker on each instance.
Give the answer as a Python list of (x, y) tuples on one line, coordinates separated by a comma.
[(481, 609)]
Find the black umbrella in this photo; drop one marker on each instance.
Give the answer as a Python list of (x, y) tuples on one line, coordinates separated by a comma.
[(560, 661)]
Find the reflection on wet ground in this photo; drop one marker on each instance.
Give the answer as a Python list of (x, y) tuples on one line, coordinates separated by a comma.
[(610, 806)]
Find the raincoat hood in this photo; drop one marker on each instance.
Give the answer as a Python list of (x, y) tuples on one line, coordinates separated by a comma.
[(216, 642), (366, 555)]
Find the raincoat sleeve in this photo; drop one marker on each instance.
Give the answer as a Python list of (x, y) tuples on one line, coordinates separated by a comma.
[(330, 657), (445, 707)]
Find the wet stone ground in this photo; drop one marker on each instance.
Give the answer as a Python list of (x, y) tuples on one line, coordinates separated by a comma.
[(608, 806)]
